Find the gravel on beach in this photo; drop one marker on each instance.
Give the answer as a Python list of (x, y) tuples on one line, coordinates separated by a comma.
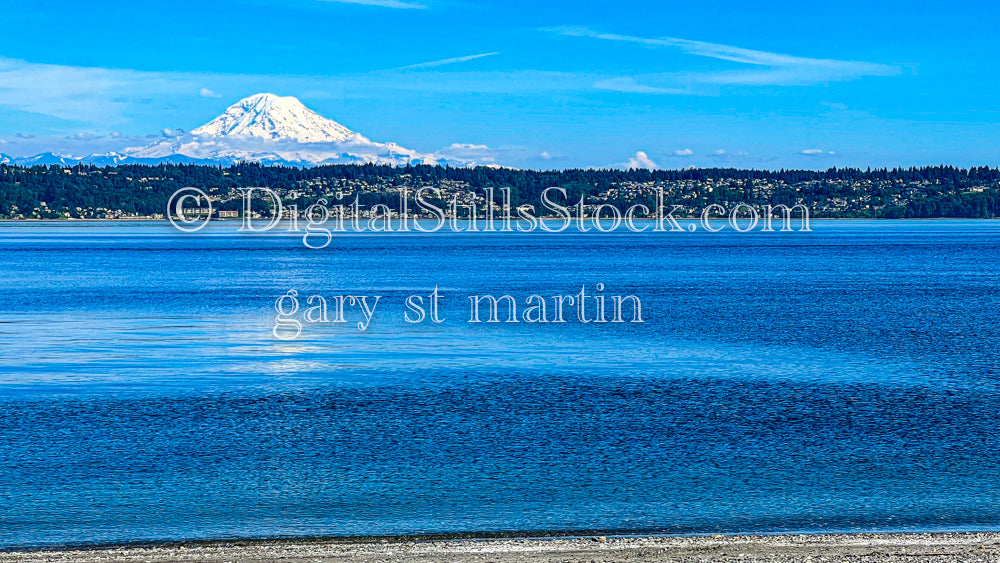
[(775, 548)]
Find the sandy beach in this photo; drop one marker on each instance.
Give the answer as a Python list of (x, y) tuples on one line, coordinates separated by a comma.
[(860, 547)]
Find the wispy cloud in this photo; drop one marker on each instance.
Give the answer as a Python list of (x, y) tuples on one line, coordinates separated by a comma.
[(835, 106), (777, 68), (816, 152), (206, 93), (443, 62), (81, 93), (630, 85), (383, 4), (83, 136), (728, 156)]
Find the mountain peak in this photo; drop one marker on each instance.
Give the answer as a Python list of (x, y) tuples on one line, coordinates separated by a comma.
[(266, 97), (276, 118)]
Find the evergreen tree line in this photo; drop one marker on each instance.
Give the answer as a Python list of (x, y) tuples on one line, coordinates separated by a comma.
[(940, 191)]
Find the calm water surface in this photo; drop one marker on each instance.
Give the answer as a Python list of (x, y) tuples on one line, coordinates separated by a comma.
[(843, 379)]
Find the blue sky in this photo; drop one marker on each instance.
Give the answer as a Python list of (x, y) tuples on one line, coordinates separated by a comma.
[(540, 85)]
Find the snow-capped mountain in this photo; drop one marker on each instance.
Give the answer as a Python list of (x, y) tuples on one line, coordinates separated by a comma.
[(276, 118), (263, 128), (275, 129), (47, 159)]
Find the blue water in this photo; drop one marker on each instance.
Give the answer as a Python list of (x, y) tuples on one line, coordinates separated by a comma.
[(843, 379)]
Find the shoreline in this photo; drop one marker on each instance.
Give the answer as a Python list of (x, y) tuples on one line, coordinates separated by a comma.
[(504, 548)]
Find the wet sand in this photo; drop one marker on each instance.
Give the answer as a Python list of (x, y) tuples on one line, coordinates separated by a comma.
[(861, 547)]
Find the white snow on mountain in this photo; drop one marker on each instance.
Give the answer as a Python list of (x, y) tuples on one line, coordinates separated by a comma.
[(281, 130), (277, 118), (48, 159), (273, 130)]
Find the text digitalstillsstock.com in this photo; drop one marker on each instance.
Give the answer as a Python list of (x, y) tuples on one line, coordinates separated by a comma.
[(423, 210), (360, 310)]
